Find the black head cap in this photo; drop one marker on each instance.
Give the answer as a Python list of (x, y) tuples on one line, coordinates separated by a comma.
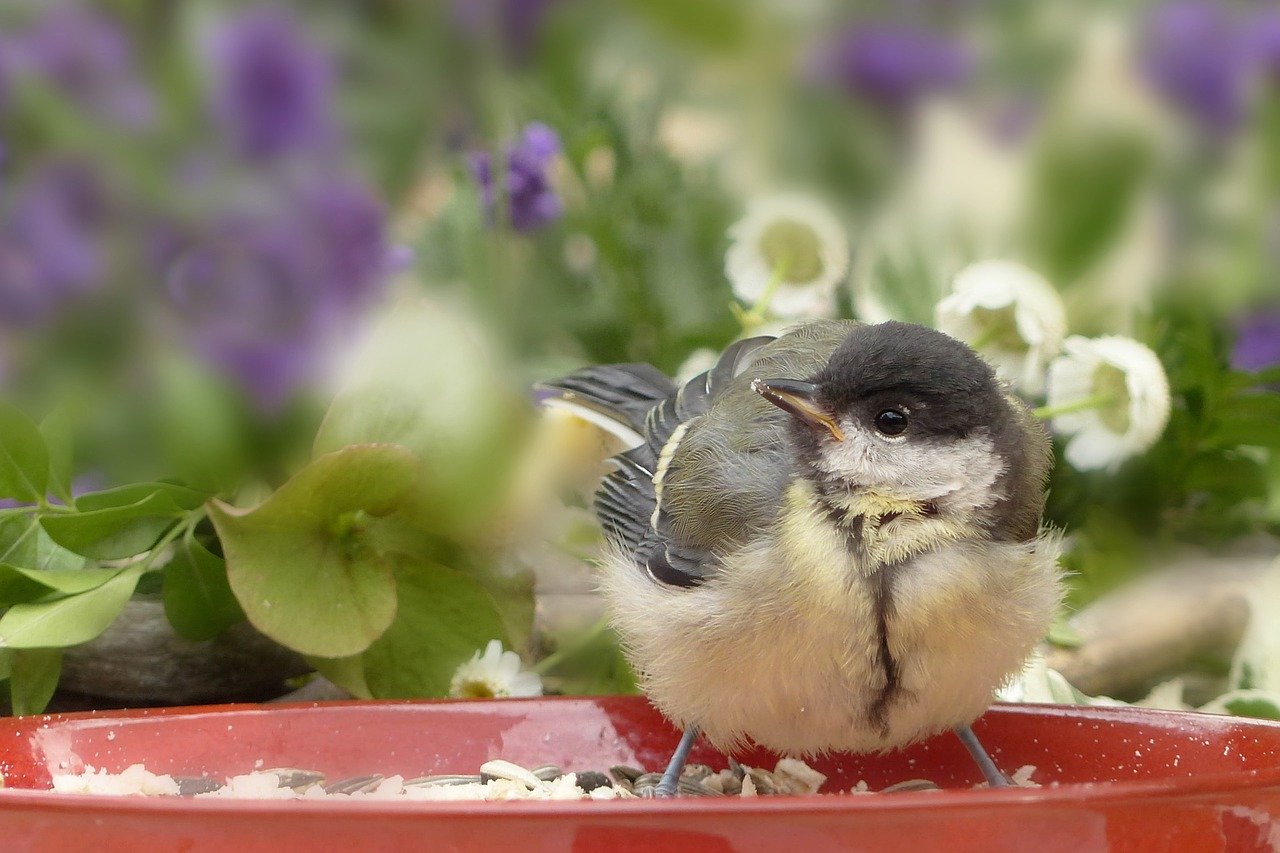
[(949, 389)]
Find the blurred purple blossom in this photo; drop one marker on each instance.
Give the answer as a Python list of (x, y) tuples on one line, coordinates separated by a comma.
[(1264, 43), (513, 23), (49, 244), (272, 86), (532, 201), (264, 293), (1257, 341), (88, 58), (1197, 55), (890, 65)]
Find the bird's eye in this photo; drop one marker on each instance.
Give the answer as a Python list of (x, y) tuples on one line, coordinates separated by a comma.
[(891, 422)]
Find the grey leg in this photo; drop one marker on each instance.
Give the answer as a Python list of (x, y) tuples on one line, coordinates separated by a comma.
[(994, 777), (671, 777)]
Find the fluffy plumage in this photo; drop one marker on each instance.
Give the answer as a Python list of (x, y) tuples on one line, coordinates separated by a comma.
[(776, 584)]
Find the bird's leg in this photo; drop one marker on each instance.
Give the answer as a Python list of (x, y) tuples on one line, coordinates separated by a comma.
[(671, 776), (995, 778)]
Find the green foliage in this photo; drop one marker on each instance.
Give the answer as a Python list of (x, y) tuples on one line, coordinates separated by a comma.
[(444, 617), (302, 563), (69, 620), (24, 459), (198, 600)]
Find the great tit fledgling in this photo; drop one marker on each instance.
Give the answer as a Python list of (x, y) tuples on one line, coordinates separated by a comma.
[(829, 541)]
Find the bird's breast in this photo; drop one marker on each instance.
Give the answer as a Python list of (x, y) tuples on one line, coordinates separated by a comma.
[(804, 644)]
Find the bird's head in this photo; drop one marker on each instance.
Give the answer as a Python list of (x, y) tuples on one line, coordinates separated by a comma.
[(904, 422)]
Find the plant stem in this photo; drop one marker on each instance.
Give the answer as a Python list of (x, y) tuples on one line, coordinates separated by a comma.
[(1095, 402), (754, 317), (565, 652)]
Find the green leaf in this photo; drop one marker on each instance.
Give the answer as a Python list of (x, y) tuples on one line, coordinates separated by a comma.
[(1262, 704), (57, 431), (24, 459), (68, 621), (1084, 186), (425, 384), (119, 523), (1248, 419), (347, 673), (33, 679), (19, 585), (168, 497), (443, 619), (197, 597), (301, 563), (24, 542), (201, 436)]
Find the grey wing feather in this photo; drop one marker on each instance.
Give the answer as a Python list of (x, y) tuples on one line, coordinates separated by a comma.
[(642, 399)]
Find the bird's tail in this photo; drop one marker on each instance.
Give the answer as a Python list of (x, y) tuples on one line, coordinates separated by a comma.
[(615, 397)]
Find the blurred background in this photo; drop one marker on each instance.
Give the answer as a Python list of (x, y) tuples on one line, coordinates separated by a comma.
[(206, 206)]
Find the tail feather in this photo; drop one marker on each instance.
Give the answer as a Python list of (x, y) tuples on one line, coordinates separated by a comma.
[(615, 397)]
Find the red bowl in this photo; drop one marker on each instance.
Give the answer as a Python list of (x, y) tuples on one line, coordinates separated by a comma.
[(1113, 778)]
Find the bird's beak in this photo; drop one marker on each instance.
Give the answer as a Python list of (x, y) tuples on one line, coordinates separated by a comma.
[(800, 399)]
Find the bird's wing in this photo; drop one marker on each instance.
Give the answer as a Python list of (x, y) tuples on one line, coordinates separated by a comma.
[(724, 479), (645, 408)]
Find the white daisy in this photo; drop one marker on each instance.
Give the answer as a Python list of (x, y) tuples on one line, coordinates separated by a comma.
[(1011, 315), (1111, 395), (494, 673), (787, 254)]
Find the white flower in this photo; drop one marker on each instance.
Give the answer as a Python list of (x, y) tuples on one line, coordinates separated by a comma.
[(1111, 396), (790, 249), (1011, 315), (494, 673)]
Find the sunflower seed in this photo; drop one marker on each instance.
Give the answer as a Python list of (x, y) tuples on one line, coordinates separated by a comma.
[(189, 786), (355, 785), (298, 780), (547, 772), (435, 781), (625, 773), (910, 785)]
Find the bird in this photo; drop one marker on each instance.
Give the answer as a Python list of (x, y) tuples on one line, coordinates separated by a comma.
[(831, 540)]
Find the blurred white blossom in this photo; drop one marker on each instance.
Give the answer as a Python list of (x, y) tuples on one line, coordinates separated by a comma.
[(1111, 395), (941, 217), (1011, 315), (494, 673), (788, 252)]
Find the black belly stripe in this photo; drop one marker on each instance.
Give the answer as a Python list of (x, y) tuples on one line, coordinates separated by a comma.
[(853, 529), (879, 708)]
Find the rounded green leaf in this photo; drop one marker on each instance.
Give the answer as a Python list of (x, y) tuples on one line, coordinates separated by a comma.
[(301, 563), (444, 618)]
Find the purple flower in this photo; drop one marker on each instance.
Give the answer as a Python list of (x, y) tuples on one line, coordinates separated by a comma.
[(89, 59), (515, 23), (1264, 43), (49, 250), (272, 87), (531, 200), (1197, 56), (1257, 341), (892, 66), (264, 293)]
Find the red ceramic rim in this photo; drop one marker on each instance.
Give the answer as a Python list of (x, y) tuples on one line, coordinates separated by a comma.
[(1118, 792)]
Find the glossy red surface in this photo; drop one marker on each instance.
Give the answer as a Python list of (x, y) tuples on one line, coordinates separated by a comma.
[(1114, 778)]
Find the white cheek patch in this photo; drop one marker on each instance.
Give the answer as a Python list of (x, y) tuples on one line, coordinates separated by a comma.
[(956, 475)]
